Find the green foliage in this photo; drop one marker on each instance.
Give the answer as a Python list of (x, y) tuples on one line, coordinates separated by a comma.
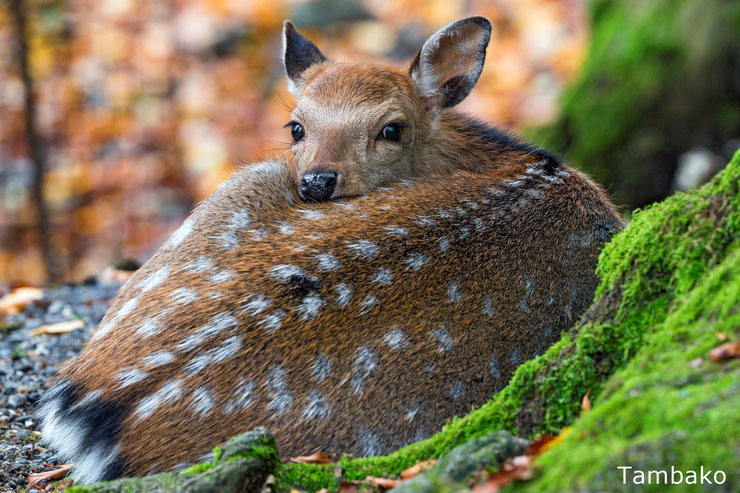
[(658, 79)]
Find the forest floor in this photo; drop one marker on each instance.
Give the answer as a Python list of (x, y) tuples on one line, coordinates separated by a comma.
[(28, 362)]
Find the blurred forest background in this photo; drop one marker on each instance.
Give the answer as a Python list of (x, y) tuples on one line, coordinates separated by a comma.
[(118, 116)]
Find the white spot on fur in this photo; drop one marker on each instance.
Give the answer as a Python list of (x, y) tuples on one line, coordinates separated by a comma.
[(184, 295), (122, 312), (367, 304), (417, 261), (202, 401), (214, 294), (168, 393), (155, 279), (243, 396), (444, 244), (445, 214), (345, 205), (321, 367), (424, 221), (516, 357), (514, 183), (258, 234), (255, 304), (457, 389), (151, 325), (413, 411), (364, 248), (444, 339), (318, 406), (280, 397), (285, 271), (453, 292), (202, 264), (286, 228), (344, 294), (384, 276), (369, 443), (327, 261), (226, 349), (312, 215), (479, 224), (129, 376), (395, 338), (534, 193), (488, 307), (272, 322), (158, 359), (365, 364), (180, 233), (494, 369), (222, 276), (397, 231), (310, 306), (221, 322)]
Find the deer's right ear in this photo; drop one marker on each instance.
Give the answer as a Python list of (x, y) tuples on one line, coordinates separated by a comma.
[(299, 53)]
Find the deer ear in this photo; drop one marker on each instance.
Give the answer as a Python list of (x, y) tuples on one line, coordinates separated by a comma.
[(299, 53), (450, 62)]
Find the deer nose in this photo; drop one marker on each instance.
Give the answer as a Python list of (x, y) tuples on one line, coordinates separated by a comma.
[(318, 185)]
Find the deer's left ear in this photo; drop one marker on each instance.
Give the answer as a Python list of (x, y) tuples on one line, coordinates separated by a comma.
[(450, 62), (299, 53)]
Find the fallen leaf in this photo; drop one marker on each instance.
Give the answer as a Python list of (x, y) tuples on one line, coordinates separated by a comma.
[(347, 487), (721, 336), (518, 468), (59, 328), (539, 446), (61, 472), (726, 351), (557, 440), (418, 468), (586, 402), (18, 299), (384, 483), (317, 458)]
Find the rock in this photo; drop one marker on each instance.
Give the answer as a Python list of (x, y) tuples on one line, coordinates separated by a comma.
[(17, 400)]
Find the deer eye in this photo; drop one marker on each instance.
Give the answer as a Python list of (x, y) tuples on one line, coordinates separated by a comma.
[(296, 131), (392, 132)]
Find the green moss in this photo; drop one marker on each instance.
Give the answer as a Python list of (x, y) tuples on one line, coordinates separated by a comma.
[(678, 267), (657, 80)]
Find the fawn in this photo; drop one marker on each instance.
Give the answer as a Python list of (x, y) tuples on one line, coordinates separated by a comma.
[(352, 326)]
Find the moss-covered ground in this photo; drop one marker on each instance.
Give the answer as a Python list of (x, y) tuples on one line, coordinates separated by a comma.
[(670, 290)]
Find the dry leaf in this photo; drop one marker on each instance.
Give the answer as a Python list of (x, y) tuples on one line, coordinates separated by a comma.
[(317, 458), (539, 446), (53, 475), (586, 403), (557, 440), (347, 487), (384, 483), (721, 336), (418, 468), (518, 468), (18, 299), (724, 352), (59, 328)]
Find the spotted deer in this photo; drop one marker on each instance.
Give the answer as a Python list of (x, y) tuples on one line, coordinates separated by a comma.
[(355, 325)]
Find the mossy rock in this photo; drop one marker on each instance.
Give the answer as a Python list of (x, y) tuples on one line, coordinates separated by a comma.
[(242, 465), (669, 283), (660, 78)]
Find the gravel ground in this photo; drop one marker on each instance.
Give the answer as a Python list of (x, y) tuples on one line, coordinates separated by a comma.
[(27, 365)]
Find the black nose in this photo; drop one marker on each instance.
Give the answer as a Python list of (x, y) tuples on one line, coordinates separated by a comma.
[(318, 185)]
